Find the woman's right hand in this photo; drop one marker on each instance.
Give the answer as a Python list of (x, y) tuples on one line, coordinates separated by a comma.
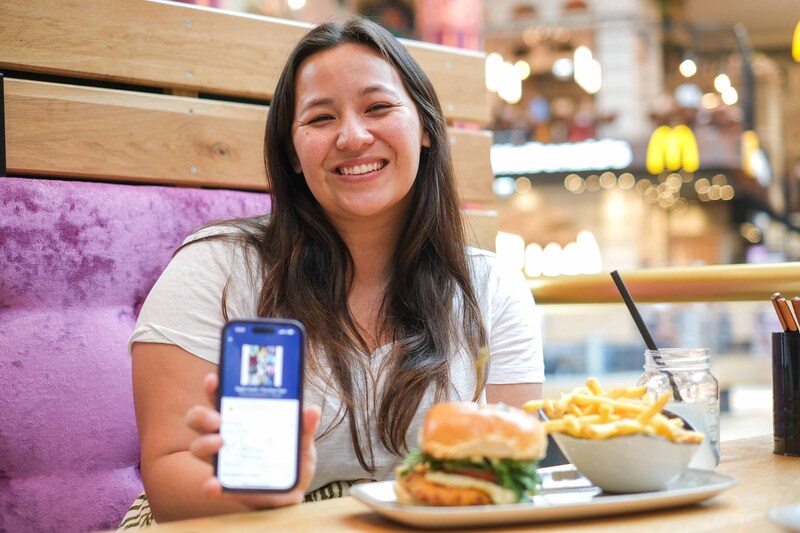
[(206, 421)]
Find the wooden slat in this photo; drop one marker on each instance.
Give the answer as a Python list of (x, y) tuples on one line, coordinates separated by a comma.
[(481, 228), (178, 46), (110, 135), (459, 77), (718, 283), (114, 135), (473, 166)]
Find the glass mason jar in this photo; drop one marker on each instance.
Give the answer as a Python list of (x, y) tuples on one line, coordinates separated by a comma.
[(686, 372)]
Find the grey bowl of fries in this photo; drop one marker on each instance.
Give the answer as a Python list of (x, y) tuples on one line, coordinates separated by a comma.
[(622, 440)]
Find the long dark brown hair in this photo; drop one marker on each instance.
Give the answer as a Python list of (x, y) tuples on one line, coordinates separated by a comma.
[(429, 310)]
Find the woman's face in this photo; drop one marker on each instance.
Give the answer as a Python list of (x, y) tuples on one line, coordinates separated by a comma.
[(357, 134)]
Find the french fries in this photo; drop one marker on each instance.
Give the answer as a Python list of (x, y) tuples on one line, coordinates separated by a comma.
[(589, 412)]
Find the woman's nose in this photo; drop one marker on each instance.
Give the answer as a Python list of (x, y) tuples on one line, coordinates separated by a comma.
[(353, 134)]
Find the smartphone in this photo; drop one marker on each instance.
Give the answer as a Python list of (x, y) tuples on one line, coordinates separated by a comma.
[(260, 401)]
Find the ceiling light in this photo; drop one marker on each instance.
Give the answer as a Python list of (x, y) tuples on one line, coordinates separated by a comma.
[(523, 68), (730, 96), (722, 82), (688, 68), (563, 68)]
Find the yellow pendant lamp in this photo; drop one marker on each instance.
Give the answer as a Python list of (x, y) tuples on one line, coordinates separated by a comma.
[(672, 149), (796, 43)]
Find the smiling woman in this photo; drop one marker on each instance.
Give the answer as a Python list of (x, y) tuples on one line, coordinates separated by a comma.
[(365, 245)]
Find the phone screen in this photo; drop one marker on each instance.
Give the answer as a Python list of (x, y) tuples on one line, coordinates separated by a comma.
[(260, 403)]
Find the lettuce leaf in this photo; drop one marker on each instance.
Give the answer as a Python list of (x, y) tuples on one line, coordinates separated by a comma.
[(520, 477)]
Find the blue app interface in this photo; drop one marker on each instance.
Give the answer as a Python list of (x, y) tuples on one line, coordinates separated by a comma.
[(260, 405)]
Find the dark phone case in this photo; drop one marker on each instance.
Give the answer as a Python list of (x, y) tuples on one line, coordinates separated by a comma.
[(301, 373)]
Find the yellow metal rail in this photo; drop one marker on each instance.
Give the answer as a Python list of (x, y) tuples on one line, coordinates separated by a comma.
[(721, 283)]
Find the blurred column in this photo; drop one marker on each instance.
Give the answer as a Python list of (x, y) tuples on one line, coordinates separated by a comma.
[(452, 22), (628, 42)]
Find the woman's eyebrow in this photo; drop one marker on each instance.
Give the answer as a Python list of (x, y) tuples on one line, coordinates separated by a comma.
[(376, 88), (316, 102)]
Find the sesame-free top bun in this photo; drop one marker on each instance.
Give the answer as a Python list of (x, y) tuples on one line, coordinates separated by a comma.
[(467, 430)]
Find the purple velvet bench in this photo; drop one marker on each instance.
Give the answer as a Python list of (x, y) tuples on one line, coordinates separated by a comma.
[(77, 260)]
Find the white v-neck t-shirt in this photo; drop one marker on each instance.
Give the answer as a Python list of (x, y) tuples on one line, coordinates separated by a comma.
[(184, 308)]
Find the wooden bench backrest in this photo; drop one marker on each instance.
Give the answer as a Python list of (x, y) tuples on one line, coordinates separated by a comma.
[(160, 92)]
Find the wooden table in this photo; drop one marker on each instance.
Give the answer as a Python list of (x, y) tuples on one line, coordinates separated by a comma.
[(765, 481)]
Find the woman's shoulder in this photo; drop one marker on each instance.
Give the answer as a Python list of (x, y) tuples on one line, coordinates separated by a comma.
[(483, 260), (229, 231), (222, 250)]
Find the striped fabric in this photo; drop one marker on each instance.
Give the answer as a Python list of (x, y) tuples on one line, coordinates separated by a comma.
[(138, 515), (337, 489)]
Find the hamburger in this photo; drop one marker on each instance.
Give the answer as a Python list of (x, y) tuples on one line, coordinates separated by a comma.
[(471, 454)]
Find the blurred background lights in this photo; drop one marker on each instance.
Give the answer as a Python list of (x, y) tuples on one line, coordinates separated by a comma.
[(608, 180), (626, 181), (533, 260), (523, 69), (510, 88), (552, 259), (574, 183), (494, 63), (722, 82), (581, 256), (688, 95), (726, 192), (505, 78), (504, 186), (296, 4), (588, 73), (522, 185), (750, 232), (510, 248), (536, 157), (688, 68), (710, 101), (729, 95), (571, 259), (563, 68), (590, 253)]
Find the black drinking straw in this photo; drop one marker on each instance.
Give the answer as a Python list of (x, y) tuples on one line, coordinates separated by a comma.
[(648, 340)]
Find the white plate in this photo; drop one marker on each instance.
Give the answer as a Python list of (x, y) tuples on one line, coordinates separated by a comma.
[(565, 494), (787, 515)]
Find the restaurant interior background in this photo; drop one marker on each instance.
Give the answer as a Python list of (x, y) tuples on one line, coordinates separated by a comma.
[(631, 134)]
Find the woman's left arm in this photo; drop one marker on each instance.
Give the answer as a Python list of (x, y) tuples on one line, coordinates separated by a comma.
[(513, 394), (516, 368)]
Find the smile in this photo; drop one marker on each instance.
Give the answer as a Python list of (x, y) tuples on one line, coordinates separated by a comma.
[(361, 169)]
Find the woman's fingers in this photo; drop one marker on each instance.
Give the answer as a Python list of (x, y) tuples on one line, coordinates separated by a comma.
[(210, 384), (311, 416), (212, 487), (206, 421), (308, 452), (205, 447), (203, 419)]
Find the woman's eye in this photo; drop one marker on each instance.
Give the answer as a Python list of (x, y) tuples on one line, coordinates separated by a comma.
[(320, 118), (378, 107)]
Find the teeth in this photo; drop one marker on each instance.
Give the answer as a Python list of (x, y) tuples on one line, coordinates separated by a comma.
[(361, 169)]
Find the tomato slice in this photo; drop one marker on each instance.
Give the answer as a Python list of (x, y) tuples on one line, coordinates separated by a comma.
[(485, 475)]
